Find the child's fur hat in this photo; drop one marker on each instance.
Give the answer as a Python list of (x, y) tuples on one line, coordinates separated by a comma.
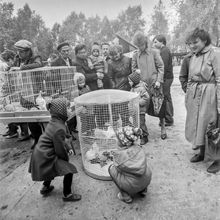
[(79, 78), (128, 135)]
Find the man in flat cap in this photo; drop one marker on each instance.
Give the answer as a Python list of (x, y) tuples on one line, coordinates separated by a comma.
[(26, 60), (64, 53)]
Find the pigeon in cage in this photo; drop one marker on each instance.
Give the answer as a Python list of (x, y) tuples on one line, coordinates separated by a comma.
[(27, 104)]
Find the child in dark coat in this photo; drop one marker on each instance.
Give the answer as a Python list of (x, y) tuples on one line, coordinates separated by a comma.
[(140, 87), (50, 156), (130, 171)]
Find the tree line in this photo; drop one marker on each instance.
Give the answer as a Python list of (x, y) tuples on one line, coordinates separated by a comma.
[(26, 24)]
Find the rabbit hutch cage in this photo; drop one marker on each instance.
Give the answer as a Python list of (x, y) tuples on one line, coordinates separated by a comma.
[(99, 114), (24, 94)]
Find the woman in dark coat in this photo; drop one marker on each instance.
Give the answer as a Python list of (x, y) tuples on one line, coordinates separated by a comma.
[(50, 156)]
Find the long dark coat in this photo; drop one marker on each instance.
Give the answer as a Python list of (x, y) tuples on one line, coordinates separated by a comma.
[(49, 158)]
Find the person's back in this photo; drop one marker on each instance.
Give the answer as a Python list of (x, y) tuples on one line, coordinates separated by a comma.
[(130, 171)]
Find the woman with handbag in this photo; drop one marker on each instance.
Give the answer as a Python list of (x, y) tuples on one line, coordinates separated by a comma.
[(149, 64), (202, 93)]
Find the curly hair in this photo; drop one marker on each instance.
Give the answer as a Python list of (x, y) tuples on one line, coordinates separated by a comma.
[(115, 49), (140, 38), (201, 34), (79, 47)]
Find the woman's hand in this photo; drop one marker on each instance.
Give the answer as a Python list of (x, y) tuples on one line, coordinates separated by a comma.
[(70, 152)]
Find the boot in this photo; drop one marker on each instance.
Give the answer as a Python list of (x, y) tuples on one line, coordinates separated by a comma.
[(198, 157), (214, 167), (163, 134), (144, 140)]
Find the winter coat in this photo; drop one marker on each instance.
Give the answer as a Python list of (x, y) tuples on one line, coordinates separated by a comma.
[(49, 158), (33, 62), (90, 74), (167, 60), (118, 72), (61, 62), (130, 171), (150, 64), (203, 94), (184, 72), (144, 98)]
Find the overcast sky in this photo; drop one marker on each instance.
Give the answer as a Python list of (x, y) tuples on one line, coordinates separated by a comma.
[(57, 10)]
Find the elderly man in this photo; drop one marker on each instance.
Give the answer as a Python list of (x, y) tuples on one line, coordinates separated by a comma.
[(64, 60), (26, 60), (64, 55), (149, 64)]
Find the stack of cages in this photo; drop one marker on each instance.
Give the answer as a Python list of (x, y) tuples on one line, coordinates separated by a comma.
[(24, 93), (99, 114)]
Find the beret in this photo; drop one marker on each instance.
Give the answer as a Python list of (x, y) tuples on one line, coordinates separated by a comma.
[(23, 45), (62, 45)]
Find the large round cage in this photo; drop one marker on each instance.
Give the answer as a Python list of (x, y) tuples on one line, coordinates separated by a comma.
[(99, 114)]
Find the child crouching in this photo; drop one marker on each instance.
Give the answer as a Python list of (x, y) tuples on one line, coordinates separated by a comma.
[(50, 156), (130, 171)]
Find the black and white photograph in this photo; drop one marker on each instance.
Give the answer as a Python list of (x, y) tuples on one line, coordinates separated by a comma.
[(109, 110)]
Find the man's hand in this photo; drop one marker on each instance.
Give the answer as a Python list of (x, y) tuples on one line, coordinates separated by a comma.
[(157, 85)]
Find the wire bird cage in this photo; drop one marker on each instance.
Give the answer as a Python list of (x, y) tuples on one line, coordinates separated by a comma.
[(99, 114), (25, 93)]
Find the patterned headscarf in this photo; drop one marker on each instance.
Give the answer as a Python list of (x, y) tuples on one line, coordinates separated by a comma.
[(128, 135), (58, 108)]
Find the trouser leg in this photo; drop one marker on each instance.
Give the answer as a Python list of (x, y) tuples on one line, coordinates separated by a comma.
[(168, 99), (67, 183), (24, 129), (12, 128), (47, 183), (36, 130), (143, 125)]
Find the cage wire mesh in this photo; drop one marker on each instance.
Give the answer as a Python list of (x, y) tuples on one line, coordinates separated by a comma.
[(99, 114), (20, 89)]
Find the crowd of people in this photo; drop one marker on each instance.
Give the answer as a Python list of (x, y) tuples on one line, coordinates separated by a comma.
[(149, 69)]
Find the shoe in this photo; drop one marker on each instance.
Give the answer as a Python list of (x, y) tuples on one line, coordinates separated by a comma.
[(126, 199), (214, 167), (72, 198), (143, 192), (197, 158), (46, 190), (12, 135), (7, 133), (24, 138), (144, 140)]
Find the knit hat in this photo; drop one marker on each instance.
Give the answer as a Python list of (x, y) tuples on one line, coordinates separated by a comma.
[(95, 47), (79, 78), (62, 45), (135, 77), (58, 108), (128, 135), (23, 45)]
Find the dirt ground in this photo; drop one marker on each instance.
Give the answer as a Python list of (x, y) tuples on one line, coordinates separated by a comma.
[(179, 189)]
